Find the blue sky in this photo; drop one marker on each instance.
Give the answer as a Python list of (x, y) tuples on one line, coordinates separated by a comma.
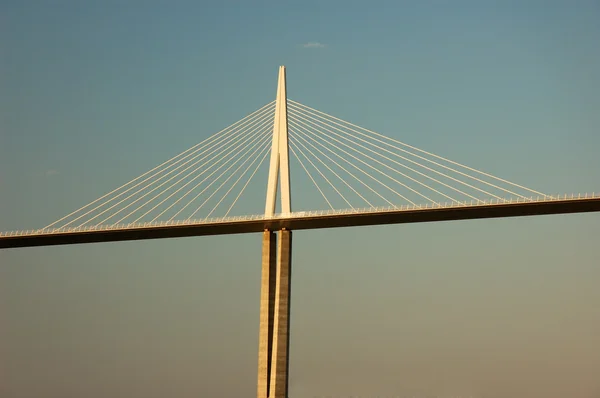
[(95, 93)]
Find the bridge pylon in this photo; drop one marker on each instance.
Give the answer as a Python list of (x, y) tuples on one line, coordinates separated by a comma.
[(274, 332)]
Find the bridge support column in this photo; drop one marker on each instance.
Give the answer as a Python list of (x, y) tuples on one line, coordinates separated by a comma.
[(267, 311), (281, 325), (274, 333)]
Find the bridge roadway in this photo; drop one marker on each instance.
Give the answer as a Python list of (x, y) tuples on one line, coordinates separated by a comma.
[(306, 220)]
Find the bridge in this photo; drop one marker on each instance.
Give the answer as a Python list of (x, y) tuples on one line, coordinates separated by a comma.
[(362, 177), (300, 220)]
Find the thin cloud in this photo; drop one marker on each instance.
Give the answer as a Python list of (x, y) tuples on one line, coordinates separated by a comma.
[(51, 172), (313, 44)]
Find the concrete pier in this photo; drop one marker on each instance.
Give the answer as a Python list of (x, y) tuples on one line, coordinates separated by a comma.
[(267, 311), (274, 332), (281, 322)]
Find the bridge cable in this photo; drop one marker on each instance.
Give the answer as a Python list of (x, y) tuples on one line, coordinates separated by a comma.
[(154, 189), (372, 167), (417, 149), (266, 145), (310, 176), (263, 139), (196, 186), (219, 146), (256, 137), (218, 155), (201, 144), (295, 135), (243, 138), (164, 200), (331, 170), (265, 148), (399, 172), (292, 146), (221, 158), (340, 166), (247, 182), (418, 164)]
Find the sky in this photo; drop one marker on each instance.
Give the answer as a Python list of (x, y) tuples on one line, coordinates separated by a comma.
[(93, 94)]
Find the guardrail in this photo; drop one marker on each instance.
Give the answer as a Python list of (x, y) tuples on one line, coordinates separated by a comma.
[(298, 214)]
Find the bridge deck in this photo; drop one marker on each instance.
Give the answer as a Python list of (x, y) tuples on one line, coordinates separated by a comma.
[(296, 221)]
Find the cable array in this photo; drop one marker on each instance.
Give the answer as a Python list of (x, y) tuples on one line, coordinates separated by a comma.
[(181, 186), (351, 168), (359, 167)]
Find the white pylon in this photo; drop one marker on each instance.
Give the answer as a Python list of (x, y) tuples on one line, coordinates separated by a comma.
[(280, 165)]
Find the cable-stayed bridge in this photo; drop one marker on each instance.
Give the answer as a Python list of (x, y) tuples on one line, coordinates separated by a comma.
[(361, 177), (371, 178), (559, 204)]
